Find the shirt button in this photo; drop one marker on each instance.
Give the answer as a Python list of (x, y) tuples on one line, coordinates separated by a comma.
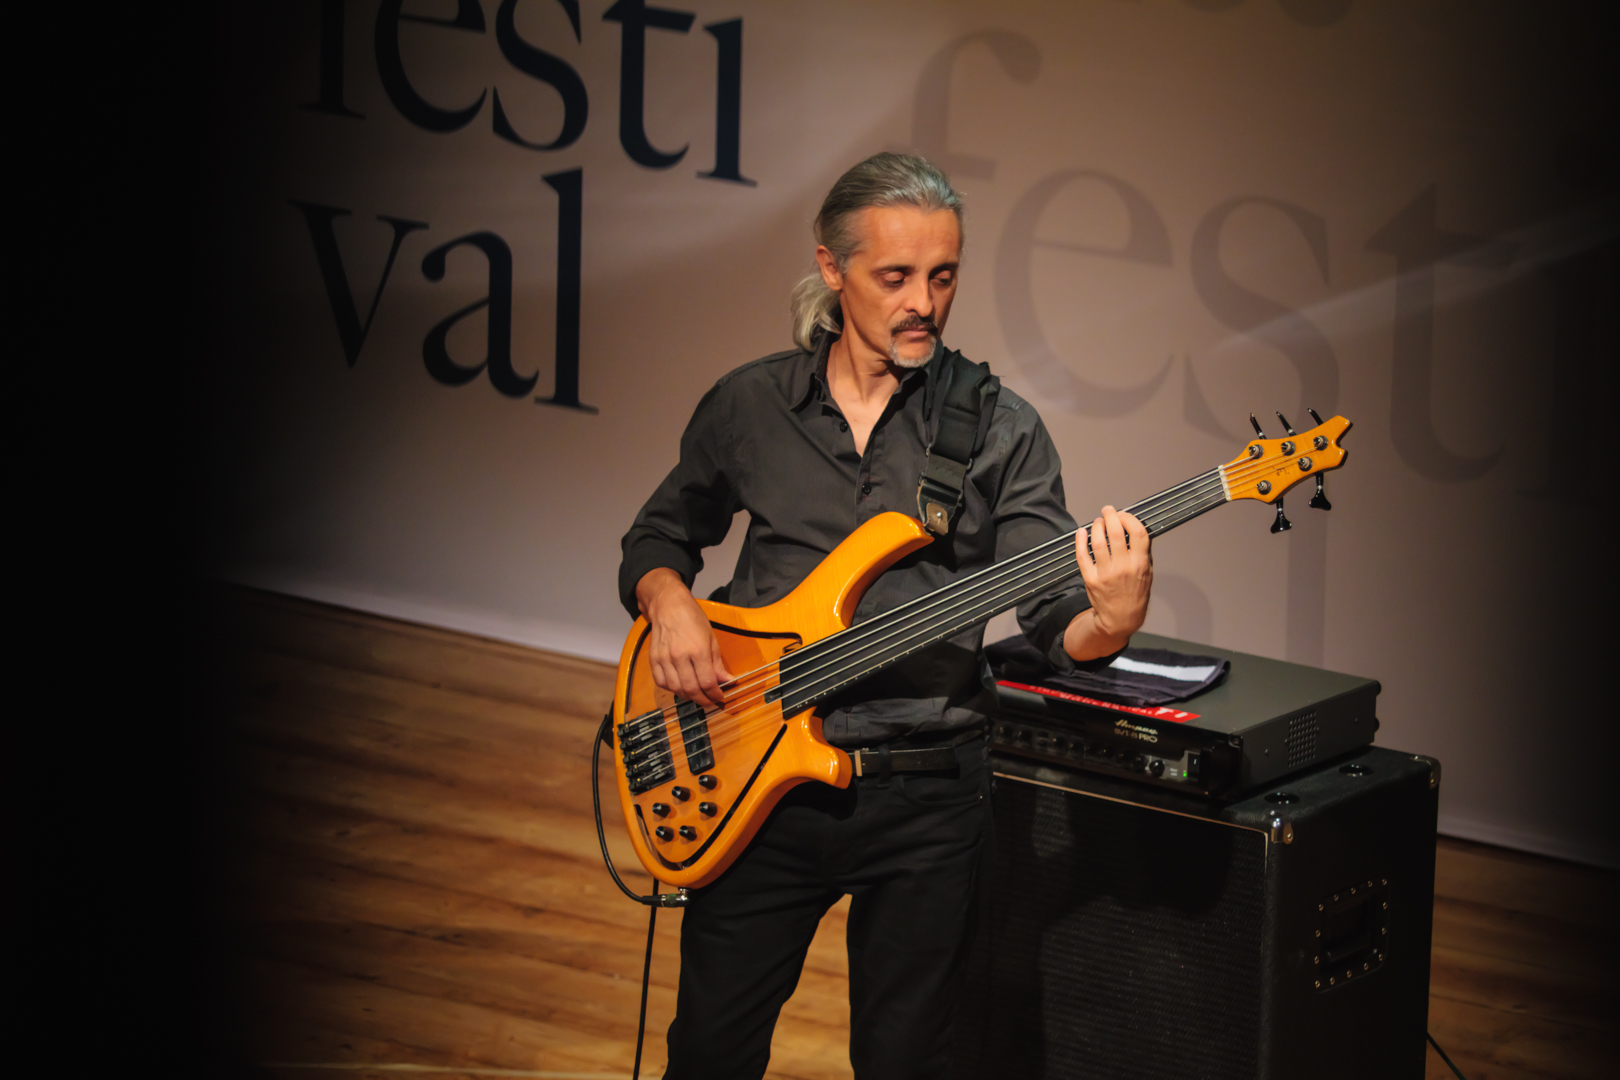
[(866, 488), (843, 425)]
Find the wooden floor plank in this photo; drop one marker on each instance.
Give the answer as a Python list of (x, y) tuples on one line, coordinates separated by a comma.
[(1526, 883), (273, 677), (287, 889), (298, 998), (421, 882), (1489, 1043), (430, 802), (1538, 991), (490, 866), (1537, 940), (492, 669)]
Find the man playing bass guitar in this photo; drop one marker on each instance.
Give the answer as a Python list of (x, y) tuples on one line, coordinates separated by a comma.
[(812, 443)]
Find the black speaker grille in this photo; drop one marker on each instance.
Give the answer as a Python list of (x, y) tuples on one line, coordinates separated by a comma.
[(1118, 942)]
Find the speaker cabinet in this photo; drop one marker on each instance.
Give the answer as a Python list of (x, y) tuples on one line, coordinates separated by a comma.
[(1129, 932)]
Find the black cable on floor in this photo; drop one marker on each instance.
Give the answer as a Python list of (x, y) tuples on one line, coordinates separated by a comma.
[(1432, 1043), (646, 974), (654, 901)]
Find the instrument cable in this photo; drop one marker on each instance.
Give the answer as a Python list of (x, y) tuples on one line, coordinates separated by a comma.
[(1443, 1057), (654, 900)]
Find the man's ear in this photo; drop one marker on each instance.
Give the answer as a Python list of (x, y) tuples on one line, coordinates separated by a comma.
[(830, 274)]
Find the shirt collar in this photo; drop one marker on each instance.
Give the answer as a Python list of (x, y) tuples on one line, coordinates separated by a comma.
[(810, 378)]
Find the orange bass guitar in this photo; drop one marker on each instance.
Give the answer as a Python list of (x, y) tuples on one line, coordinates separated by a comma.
[(696, 783)]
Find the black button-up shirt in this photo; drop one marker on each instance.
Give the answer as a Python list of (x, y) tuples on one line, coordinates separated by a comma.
[(769, 439)]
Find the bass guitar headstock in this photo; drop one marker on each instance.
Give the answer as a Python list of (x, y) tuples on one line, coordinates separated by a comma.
[(1269, 467)]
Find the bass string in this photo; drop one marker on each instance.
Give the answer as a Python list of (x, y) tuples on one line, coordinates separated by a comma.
[(856, 636), (979, 604), (999, 592), (1154, 517), (1154, 512), (1019, 567), (1158, 514), (759, 716), (851, 638), (740, 725), (971, 610)]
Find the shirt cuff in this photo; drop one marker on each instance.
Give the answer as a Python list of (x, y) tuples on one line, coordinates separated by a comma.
[(1048, 635), (645, 553)]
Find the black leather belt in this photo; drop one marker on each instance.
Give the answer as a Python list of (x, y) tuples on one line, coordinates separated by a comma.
[(881, 761)]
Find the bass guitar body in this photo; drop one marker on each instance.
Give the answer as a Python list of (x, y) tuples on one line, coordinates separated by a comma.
[(696, 785)]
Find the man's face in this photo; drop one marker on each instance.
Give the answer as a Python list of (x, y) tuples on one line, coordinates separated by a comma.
[(898, 287)]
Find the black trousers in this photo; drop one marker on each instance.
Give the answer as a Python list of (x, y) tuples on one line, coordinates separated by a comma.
[(907, 850)]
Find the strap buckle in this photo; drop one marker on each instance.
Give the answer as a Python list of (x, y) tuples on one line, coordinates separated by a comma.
[(939, 491)]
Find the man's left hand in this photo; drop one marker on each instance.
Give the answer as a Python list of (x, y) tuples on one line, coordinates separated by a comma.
[(1117, 567)]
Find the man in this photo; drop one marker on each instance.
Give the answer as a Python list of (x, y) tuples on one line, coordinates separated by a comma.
[(811, 443)]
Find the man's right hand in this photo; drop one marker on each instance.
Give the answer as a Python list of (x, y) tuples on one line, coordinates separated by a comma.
[(685, 654)]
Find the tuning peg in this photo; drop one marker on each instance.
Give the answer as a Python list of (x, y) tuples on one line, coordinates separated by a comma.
[(1257, 432), (1319, 501), (1282, 524), (1285, 424), (1315, 417)]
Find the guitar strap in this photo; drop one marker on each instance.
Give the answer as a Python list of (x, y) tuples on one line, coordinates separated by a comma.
[(962, 404)]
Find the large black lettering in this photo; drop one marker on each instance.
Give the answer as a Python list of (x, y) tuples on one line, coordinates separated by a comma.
[(391, 68), (1262, 318), (548, 69), (1414, 237), (351, 331), (1148, 241), (569, 187), (329, 99), (498, 348), (634, 16), (930, 111), (728, 104)]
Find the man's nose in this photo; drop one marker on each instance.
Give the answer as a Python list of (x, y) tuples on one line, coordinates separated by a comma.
[(920, 298)]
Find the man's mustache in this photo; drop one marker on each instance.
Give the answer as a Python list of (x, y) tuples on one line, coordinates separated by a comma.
[(914, 323)]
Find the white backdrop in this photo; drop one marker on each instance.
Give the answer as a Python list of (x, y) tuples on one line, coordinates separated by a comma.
[(1180, 211)]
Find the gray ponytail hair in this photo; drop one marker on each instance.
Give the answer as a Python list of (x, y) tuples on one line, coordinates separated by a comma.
[(881, 180)]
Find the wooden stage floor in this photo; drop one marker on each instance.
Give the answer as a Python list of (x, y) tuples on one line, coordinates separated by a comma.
[(420, 890)]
